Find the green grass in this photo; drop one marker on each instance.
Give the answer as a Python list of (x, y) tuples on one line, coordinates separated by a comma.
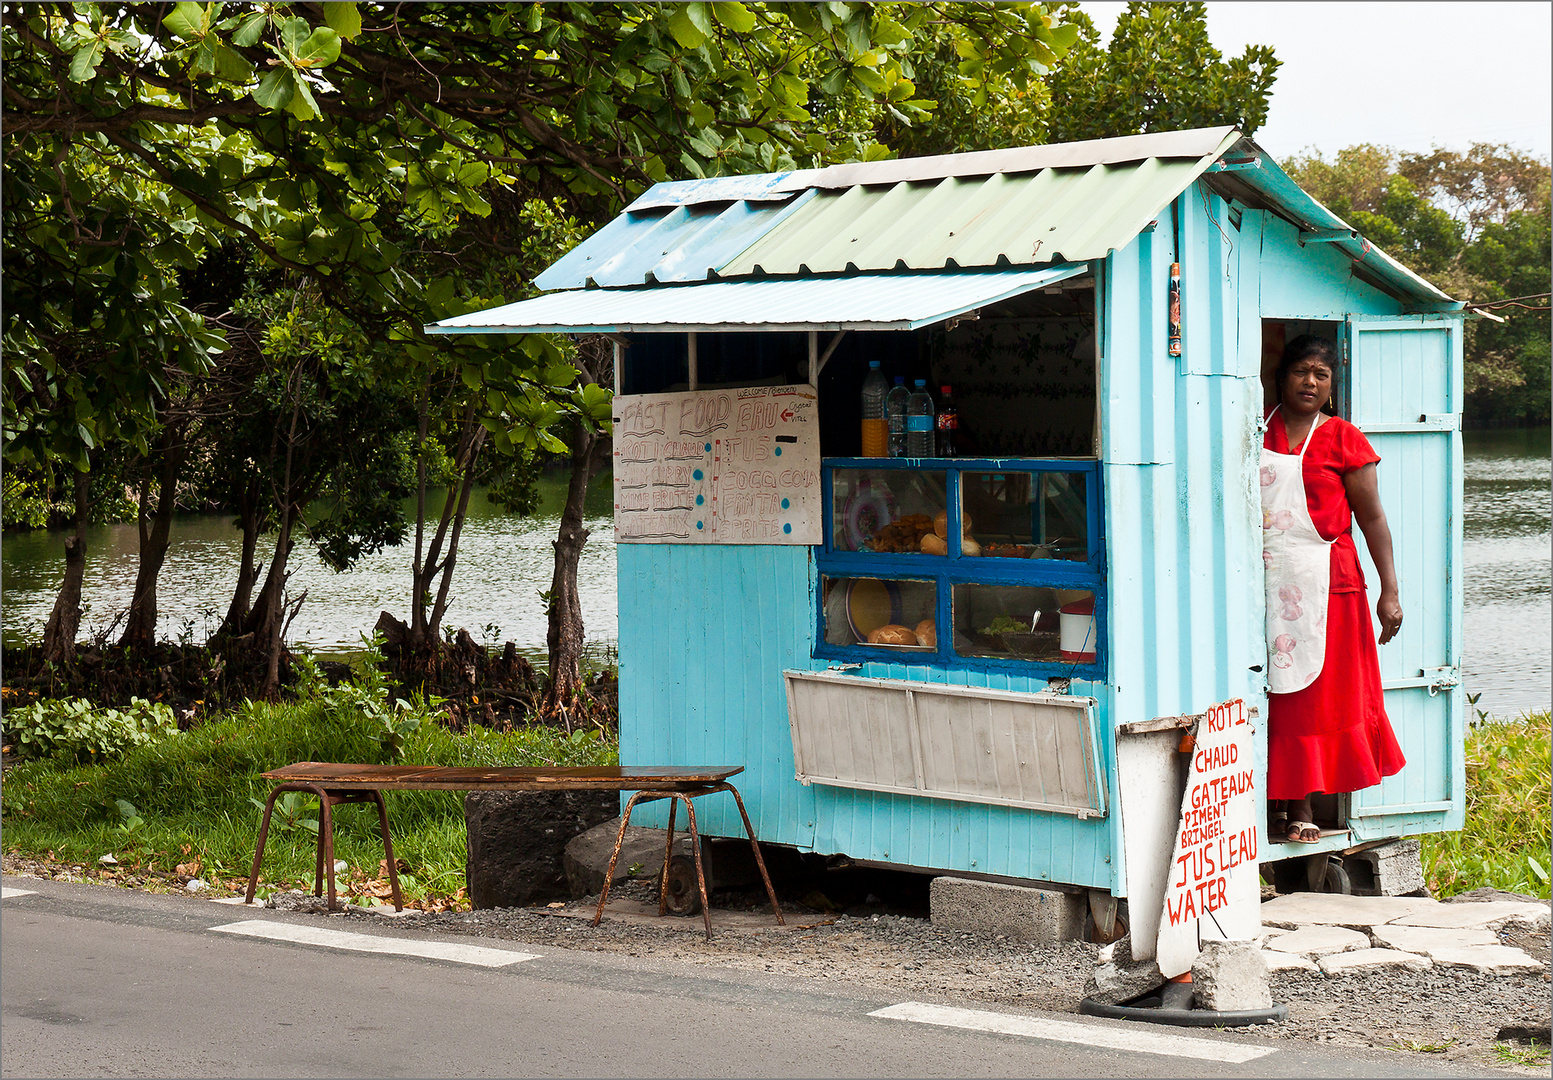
[(1506, 839), (193, 795)]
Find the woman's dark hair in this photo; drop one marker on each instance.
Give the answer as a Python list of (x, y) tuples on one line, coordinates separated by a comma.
[(1305, 347)]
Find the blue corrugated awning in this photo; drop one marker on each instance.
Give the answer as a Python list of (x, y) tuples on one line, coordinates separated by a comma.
[(859, 302)]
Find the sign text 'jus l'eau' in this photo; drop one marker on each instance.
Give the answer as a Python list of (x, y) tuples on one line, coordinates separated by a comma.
[(1213, 889)]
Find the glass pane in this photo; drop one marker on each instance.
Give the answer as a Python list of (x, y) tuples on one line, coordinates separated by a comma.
[(1023, 622), (897, 615), (885, 509), (1020, 515)]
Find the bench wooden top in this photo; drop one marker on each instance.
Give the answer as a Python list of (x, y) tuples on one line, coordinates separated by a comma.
[(503, 778)]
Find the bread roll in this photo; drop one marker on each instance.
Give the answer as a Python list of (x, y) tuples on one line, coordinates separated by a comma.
[(927, 633), (969, 546), (893, 634), (933, 544), (941, 524)]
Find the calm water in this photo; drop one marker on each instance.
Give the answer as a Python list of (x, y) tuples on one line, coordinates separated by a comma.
[(505, 561)]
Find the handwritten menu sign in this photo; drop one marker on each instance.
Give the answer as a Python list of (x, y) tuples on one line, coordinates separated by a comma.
[(1213, 889), (739, 466)]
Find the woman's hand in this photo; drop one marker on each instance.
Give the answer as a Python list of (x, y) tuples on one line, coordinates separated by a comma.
[(1389, 610), (1364, 499)]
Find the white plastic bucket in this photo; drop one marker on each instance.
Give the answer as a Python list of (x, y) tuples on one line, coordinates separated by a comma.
[(1076, 631)]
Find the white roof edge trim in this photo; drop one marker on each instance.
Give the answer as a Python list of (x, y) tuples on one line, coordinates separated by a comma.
[(859, 302)]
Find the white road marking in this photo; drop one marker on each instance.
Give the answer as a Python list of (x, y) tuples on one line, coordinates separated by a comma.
[(1130, 1039), (6, 892), (339, 939)]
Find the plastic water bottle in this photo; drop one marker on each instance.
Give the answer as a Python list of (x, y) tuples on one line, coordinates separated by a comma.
[(876, 429), (895, 412), (919, 422), (948, 422)]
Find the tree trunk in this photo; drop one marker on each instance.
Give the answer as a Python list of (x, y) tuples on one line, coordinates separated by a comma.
[(430, 563), (247, 567), (155, 538), (64, 622), (565, 636)]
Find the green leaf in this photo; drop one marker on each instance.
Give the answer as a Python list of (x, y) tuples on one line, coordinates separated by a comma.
[(83, 65), (189, 21), (302, 105), (343, 19), (684, 28), (275, 89), (250, 30), (321, 49), (736, 17)]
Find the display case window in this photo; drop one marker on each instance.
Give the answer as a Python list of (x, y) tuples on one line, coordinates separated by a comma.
[(1006, 553), (881, 613)]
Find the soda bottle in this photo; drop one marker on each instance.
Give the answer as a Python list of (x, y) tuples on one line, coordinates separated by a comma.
[(895, 412), (876, 429), (919, 422), (948, 422)]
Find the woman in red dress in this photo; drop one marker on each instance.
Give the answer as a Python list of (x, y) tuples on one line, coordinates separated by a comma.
[(1327, 725)]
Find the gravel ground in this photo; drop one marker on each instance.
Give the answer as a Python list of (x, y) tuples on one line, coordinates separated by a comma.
[(1442, 1014)]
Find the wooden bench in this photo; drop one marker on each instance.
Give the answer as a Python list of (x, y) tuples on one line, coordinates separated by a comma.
[(336, 783)]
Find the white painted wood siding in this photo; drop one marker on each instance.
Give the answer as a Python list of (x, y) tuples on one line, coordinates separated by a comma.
[(965, 743)]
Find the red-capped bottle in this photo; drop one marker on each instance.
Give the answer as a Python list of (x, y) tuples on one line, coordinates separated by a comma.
[(948, 422)]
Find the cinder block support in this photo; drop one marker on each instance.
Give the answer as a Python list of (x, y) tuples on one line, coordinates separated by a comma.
[(1390, 869), (1036, 916)]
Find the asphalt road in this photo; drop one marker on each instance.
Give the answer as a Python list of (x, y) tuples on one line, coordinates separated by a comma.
[(100, 981)]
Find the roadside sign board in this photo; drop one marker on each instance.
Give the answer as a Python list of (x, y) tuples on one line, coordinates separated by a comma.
[(1213, 886)]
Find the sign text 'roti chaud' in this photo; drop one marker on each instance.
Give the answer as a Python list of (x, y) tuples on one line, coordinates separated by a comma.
[(737, 466)]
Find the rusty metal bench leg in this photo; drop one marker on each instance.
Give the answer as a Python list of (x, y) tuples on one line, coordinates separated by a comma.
[(326, 845), (759, 861), (668, 853), (258, 851), (388, 849), (695, 848), (620, 838)]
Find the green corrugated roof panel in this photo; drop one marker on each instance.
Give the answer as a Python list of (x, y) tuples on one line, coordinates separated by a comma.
[(963, 222)]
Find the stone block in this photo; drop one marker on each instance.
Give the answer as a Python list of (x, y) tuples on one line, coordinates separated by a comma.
[(1332, 909), (1316, 941), (1361, 960), (1485, 959), (1491, 915), (1391, 869), (1425, 939), (1230, 976), (1282, 961), (586, 859), (516, 841), (1035, 916), (1118, 978)]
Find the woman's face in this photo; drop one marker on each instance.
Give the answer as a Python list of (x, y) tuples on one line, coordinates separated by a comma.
[(1307, 386)]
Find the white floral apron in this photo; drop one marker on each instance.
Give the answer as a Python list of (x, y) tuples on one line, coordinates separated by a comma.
[(1298, 563)]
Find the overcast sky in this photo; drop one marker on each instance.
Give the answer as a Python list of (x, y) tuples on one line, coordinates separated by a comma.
[(1407, 75)]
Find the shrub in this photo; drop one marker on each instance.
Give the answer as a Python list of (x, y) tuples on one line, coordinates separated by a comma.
[(76, 729)]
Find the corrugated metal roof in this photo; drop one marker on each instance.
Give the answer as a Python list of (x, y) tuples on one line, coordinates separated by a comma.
[(755, 187), (999, 220), (862, 302), (673, 244)]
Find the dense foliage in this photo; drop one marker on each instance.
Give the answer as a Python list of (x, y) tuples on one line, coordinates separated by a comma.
[(1477, 224)]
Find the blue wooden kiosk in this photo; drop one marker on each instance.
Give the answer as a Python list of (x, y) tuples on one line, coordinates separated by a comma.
[(1112, 492)]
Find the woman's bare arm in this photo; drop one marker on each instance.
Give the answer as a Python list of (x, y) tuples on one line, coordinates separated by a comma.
[(1364, 497)]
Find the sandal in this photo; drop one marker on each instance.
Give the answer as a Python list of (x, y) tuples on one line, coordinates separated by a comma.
[(1303, 832)]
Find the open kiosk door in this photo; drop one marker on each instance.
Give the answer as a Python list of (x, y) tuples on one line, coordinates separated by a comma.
[(1404, 391)]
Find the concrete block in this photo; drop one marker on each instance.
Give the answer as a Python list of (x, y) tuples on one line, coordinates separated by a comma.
[(1316, 941), (1392, 869), (1363, 960), (1485, 959), (1425, 939), (586, 858), (1332, 909), (1489, 916), (1282, 961), (1118, 978), (1036, 916), (1230, 976)]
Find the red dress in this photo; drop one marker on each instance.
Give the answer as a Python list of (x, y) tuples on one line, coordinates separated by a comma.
[(1333, 736)]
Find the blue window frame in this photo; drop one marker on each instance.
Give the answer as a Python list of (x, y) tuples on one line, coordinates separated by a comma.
[(962, 586)]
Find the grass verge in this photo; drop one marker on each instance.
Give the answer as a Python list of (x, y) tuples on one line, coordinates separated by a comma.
[(186, 806), (1506, 839)]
